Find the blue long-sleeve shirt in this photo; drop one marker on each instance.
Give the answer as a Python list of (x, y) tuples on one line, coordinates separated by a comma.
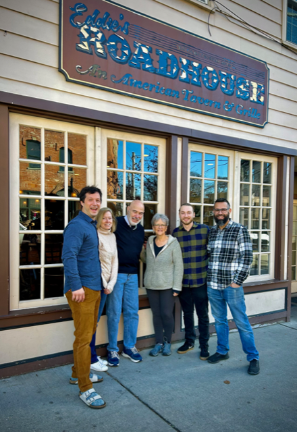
[(80, 254)]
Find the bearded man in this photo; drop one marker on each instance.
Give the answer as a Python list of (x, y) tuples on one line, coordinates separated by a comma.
[(230, 256), (192, 238)]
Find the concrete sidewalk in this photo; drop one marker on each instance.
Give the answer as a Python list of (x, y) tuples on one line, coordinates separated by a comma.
[(179, 393)]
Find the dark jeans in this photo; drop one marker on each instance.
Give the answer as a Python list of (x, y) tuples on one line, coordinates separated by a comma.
[(190, 297), (162, 304)]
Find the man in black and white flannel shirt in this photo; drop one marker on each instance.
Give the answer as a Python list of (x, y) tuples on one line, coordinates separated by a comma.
[(230, 256)]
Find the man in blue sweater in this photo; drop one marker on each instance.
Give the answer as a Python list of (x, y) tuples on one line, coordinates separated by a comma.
[(130, 239), (82, 288)]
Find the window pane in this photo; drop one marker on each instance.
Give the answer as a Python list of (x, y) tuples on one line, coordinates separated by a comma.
[(116, 207), (115, 153), (29, 248), (30, 178), (222, 191), (244, 217), (255, 218), (29, 284), (73, 209), (30, 139), (265, 241), (223, 164), (115, 185), (150, 187), (133, 186), (53, 248), (53, 143), (256, 173), (209, 166), (265, 218), (208, 215), (294, 257), (150, 210), (266, 196), (195, 190), (255, 240), (245, 171), (209, 189), (264, 264), (292, 21), (196, 164), (77, 144), (77, 179), (197, 210), (255, 266), (256, 195), (267, 172), (293, 273), (133, 156), (54, 214), (294, 228), (54, 181), (29, 213), (53, 282), (244, 194), (150, 158)]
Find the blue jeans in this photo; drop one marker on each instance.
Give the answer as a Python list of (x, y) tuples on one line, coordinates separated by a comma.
[(234, 298), (124, 295), (93, 342)]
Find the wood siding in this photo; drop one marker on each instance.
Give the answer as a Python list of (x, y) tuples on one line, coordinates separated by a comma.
[(29, 62)]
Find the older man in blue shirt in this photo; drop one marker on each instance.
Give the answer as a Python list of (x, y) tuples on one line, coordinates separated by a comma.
[(82, 289)]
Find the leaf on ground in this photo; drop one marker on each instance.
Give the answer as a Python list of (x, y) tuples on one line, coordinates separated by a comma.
[(226, 382)]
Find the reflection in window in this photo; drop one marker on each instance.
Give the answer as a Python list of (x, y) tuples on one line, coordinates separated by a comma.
[(62, 158), (33, 152)]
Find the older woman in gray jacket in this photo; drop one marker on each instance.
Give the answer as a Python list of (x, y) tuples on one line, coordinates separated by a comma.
[(163, 281)]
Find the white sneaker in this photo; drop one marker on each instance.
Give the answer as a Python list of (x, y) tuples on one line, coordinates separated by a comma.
[(102, 361), (99, 366)]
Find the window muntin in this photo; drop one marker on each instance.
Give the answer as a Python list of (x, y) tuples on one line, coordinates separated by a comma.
[(255, 210), (47, 202)]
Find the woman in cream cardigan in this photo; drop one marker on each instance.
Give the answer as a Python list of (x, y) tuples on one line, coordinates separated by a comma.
[(163, 281), (108, 255)]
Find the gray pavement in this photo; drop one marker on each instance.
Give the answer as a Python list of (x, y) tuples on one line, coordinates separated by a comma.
[(177, 393)]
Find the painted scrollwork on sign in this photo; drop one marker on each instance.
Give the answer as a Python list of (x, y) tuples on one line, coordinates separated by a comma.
[(92, 70)]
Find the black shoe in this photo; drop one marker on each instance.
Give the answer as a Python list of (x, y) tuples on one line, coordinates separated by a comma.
[(204, 354), (254, 367), (185, 348), (217, 357)]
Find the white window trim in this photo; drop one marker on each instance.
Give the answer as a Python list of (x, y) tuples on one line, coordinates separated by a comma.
[(234, 193), (273, 161), (284, 27), (15, 121), (101, 167)]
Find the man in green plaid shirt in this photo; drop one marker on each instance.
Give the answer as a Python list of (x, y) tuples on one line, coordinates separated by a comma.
[(193, 238)]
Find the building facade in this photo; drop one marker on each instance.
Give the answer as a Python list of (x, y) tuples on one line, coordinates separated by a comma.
[(169, 101)]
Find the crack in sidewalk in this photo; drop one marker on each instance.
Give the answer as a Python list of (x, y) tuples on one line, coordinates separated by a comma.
[(144, 403), (284, 325)]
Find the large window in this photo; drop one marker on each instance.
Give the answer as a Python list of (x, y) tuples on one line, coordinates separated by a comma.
[(294, 248), (290, 22), (135, 169), (248, 182), (44, 200)]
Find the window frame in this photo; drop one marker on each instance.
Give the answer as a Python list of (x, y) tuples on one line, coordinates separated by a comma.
[(234, 193), (16, 120), (284, 27), (101, 167)]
